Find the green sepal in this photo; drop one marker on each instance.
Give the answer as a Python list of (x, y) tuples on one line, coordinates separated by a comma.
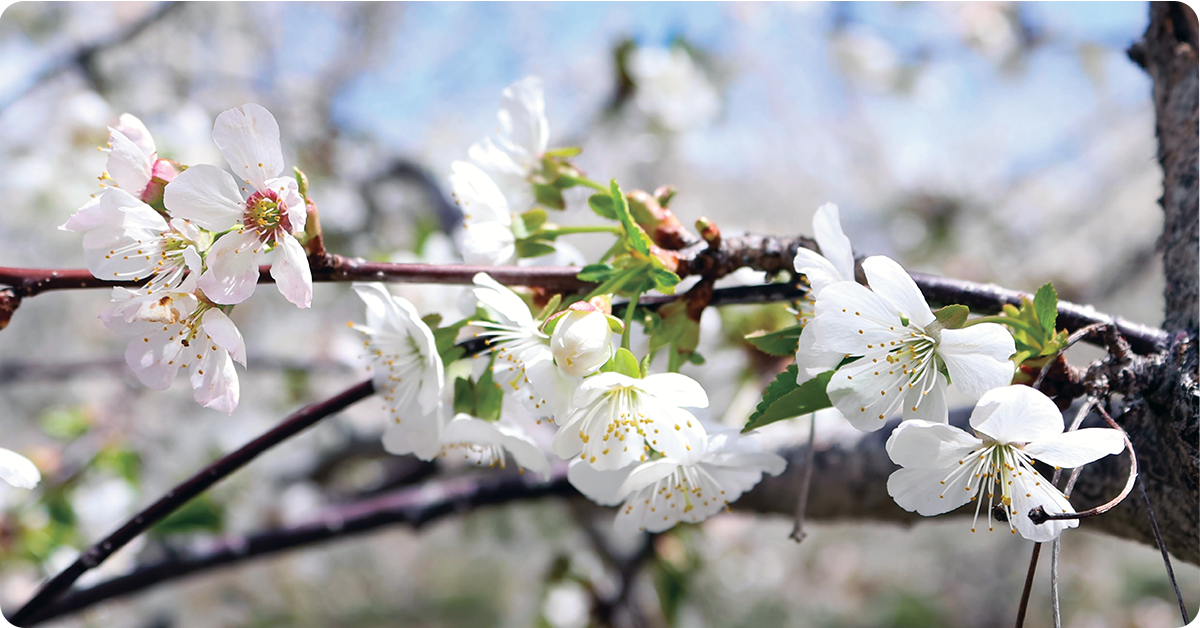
[(564, 152), (645, 365), (549, 196), (603, 206), (784, 399), (696, 358), (615, 324), (783, 342), (952, 316), (596, 273), (464, 396), (533, 248), (551, 308), (625, 364), (444, 337), (527, 224), (489, 397)]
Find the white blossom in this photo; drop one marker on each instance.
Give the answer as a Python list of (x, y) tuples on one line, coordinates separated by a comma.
[(18, 470), (902, 349), (516, 153), (834, 263), (485, 443), (946, 467), (660, 493), (616, 420), (269, 219), (582, 340), (406, 369), (487, 238), (672, 89)]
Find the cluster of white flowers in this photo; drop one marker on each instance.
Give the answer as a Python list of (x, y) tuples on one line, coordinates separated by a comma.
[(890, 352), (195, 237)]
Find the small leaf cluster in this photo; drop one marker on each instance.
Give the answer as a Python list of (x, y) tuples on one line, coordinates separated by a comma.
[(633, 269), (1034, 328)]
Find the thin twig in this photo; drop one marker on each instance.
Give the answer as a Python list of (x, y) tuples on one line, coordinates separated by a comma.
[(806, 473), (1024, 607), (1162, 547), (1075, 337), (184, 492), (1055, 548), (1039, 515)]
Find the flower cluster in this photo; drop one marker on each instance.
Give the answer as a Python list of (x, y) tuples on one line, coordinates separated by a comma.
[(192, 238)]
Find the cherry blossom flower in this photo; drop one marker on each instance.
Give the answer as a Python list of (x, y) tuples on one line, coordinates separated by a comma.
[(582, 339), (522, 138), (484, 443), (179, 329), (617, 420), (524, 363), (902, 349), (269, 219), (487, 238), (125, 239), (946, 467), (672, 89), (834, 263), (660, 493), (406, 369), (18, 470), (133, 164)]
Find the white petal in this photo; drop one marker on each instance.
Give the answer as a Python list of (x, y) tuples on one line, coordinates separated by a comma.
[(928, 405), (415, 433), (819, 271), (926, 445), (502, 300), (131, 127), (835, 246), (523, 116), (248, 138), (488, 244), (477, 194), (977, 357), (811, 361), (205, 195), (524, 450), (680, 436), (922, 491), (869, 391), (127, 164), (17, 470), (376, 297), (1075, 449), (1028, 494), (224, 334), (214, 380), (1017, 414), (602, 487), (853, 317), (566, 443), (232, 271), (153, 358), (291, 272), (646, 474), (889, 280), (89, 216), (289, 194), (676, 389), (510, 177)]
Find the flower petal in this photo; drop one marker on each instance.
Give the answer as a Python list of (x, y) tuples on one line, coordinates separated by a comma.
[(477, 194), (835, 246), (153, 358), (648, 473), (819, 271), (811, 361), (869, 391), (523, 117), (1075, 449), (921, 490), (977, 357), (602, 487), (224, 334), (488, 244), (248, 137), (18, 470), (215, 381), (928, 404), (889, 280), (853, 317), (675, 389), (920, 444), (205, 195), (128, 166), (524, 450), (1017, 414), (1029, 493), (232, 271), (415, 433), (502, 301), (131, 127), (291, 272)]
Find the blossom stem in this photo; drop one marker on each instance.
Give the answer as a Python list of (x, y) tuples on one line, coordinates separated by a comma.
[(584, 181), (570, 229), (1006, 320), (1033, 561), (629, 310)]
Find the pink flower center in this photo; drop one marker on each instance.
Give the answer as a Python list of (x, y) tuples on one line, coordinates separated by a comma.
[(266, 213)]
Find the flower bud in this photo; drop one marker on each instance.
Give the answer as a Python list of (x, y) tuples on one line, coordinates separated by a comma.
[(582, 340)]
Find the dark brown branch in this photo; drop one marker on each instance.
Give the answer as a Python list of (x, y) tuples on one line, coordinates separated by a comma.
[(184, 492)]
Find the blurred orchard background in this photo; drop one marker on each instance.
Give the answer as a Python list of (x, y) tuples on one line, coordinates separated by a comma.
[(1006, 143)]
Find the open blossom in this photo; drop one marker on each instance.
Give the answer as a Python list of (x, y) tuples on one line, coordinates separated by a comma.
[(618, 420), (269, 219), (125, 239), (524, 364), (176, 329), (902, 349), (660, 493), (485, 443), (133, 163), (516, 154), (945, 467), (582, 340), (487, 238), (834, 263), (406, 369)]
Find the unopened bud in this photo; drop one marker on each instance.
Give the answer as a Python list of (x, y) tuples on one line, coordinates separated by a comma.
[(709, 231), (582, 340)]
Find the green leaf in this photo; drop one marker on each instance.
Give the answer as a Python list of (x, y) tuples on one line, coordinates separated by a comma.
[(637, 239), (784, 399), (444, 337), (603, 206), (596, 273), (534, 219), (664, 280), (533, 248), (123, 462), (783, 342), (489, 397), (464, 396), (201, 514), (65, 423), (953, 316), (1045, 304), (549, 196), (625, 364), (696, 358)]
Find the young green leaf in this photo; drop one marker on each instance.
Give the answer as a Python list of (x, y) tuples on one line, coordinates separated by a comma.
[(489, 397), (783, 342), (637, 239), (1045, 304), (784, 399), (533, 248), (952, 316), (596, 273), (464, 396), (549, 196), (624, 363), (664, 280), (602, 204)]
